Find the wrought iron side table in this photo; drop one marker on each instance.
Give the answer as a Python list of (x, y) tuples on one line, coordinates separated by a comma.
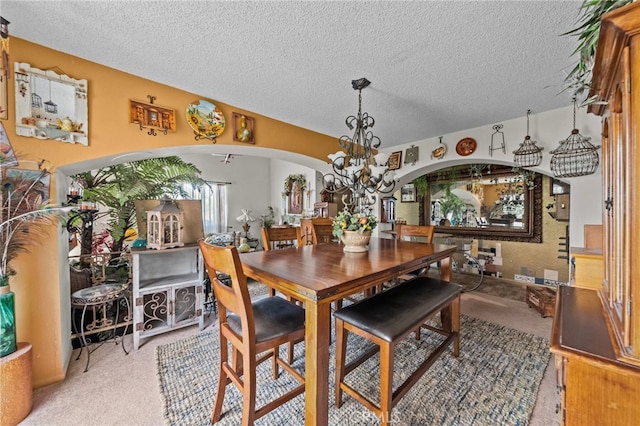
[(98, 300)]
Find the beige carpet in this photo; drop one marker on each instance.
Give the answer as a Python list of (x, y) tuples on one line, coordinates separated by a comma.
[(122, 389)]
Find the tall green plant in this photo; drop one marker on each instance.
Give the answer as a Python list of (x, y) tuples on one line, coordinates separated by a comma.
[(578, 80), (117, 187), (451, 203)]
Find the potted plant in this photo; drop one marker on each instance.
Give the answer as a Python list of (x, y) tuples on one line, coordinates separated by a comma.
[(354, 230)]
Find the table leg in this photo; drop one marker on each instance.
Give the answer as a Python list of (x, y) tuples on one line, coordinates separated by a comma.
[(317, 340), (445, 269)]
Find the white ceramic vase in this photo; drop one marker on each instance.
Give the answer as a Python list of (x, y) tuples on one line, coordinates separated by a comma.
[(355, 242)]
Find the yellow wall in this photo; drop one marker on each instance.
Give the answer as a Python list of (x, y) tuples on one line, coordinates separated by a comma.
[(36, 285)]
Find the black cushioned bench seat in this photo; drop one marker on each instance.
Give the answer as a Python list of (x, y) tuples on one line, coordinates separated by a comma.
[(385, 319), (391, 314)]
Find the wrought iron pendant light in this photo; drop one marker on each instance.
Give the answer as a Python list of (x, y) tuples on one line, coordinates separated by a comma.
[(359, 175), (576, 155), (528, 153)]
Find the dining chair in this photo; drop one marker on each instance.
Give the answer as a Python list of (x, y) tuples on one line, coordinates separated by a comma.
[(279, 238), (419, 233), (322, 230), (252, 328)]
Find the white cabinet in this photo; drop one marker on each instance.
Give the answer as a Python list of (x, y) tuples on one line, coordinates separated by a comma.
[(167, 290)]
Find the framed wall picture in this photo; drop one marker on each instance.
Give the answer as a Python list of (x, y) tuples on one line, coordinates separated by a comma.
[(408, 193), (243, 128), (558, 187), (149, 115), (394, 160), (49, 105)]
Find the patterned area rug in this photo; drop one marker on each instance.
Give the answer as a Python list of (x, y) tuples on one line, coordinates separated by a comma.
[(493, 382)]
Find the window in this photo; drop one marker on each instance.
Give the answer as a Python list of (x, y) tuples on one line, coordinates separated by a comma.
[(213, 196)]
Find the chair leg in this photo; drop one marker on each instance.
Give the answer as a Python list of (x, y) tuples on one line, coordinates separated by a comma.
[(386, 382), (341, 348), (222, 382), (276, 367), (249, 392), (418, 333), (455, 325)]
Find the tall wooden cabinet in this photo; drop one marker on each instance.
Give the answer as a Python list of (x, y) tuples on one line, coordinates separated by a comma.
[(596, 333)]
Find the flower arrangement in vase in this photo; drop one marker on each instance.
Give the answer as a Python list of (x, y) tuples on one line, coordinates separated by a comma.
[(354, 230)]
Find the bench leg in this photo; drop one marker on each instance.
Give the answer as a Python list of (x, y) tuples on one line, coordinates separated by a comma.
[(341, 348), (386, 382), (455, 325)]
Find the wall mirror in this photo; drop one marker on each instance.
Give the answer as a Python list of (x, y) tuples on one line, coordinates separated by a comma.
[(485, 201), (50, 105)]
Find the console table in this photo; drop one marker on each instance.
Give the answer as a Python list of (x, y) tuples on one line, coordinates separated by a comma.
[(167, 290)]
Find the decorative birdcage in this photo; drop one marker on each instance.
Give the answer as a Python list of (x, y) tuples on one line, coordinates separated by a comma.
[(164, 226), (528, 153), (576, 155)]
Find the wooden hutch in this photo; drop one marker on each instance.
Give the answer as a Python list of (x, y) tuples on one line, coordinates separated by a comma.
[(596, 333)]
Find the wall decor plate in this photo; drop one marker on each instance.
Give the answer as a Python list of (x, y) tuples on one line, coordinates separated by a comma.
[(466, 146), (205, 119), (439, 152)]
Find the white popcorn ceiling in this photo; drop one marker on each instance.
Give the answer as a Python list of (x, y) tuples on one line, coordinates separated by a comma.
[(436, 67)]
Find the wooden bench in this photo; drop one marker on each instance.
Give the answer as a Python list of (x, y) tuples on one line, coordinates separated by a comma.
[(387, 318)]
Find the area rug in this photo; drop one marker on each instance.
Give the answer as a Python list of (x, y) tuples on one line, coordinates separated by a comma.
[(494, 381)]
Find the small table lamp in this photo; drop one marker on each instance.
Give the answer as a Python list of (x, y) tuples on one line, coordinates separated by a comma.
[(246, 218)]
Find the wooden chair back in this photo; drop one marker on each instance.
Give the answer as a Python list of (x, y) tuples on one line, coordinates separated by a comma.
[(421, 233), (322, 230), (277, 238), (234, 298)]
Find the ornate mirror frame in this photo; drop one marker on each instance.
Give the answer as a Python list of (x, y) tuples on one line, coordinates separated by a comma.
[(531, 232)]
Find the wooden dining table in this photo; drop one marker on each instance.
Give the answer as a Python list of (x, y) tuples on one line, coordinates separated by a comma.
[(323, 273)]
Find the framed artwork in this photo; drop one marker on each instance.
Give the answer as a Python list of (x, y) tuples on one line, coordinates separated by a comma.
[(152, 116), (559, 187), (243, 128), (50, 105), (30, 187), (394, 160), (411, 155), (408, 193)]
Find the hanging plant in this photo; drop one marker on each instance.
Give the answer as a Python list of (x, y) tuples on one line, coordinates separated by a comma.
[(422, 186), (578, 80), (288, 183)]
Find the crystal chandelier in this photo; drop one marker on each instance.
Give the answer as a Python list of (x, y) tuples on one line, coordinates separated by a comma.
[(575, 156), (528, 153), (359, 174)]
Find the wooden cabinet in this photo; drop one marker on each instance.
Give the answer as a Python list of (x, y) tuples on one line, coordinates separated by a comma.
[(616, 72), (587, 268), (595, 388), (596, 334), (387, 209), (167, 290)]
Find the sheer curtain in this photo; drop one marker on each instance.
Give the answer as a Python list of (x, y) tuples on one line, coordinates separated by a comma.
[(213, 196)]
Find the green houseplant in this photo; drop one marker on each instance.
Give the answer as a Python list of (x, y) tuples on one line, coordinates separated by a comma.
[(117, 187), (578, 81)]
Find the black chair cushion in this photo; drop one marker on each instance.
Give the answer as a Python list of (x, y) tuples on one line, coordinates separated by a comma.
[(391, 314), (274, 317)]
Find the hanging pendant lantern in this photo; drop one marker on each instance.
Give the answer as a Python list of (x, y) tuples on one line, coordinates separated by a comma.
[(528, 153), (36, 100), (50, 106), (576, 155)]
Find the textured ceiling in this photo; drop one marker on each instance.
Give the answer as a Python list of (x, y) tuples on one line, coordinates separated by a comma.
[(436, 67)]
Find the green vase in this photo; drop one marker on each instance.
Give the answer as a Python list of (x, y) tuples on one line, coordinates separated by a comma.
[(7, 322)]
